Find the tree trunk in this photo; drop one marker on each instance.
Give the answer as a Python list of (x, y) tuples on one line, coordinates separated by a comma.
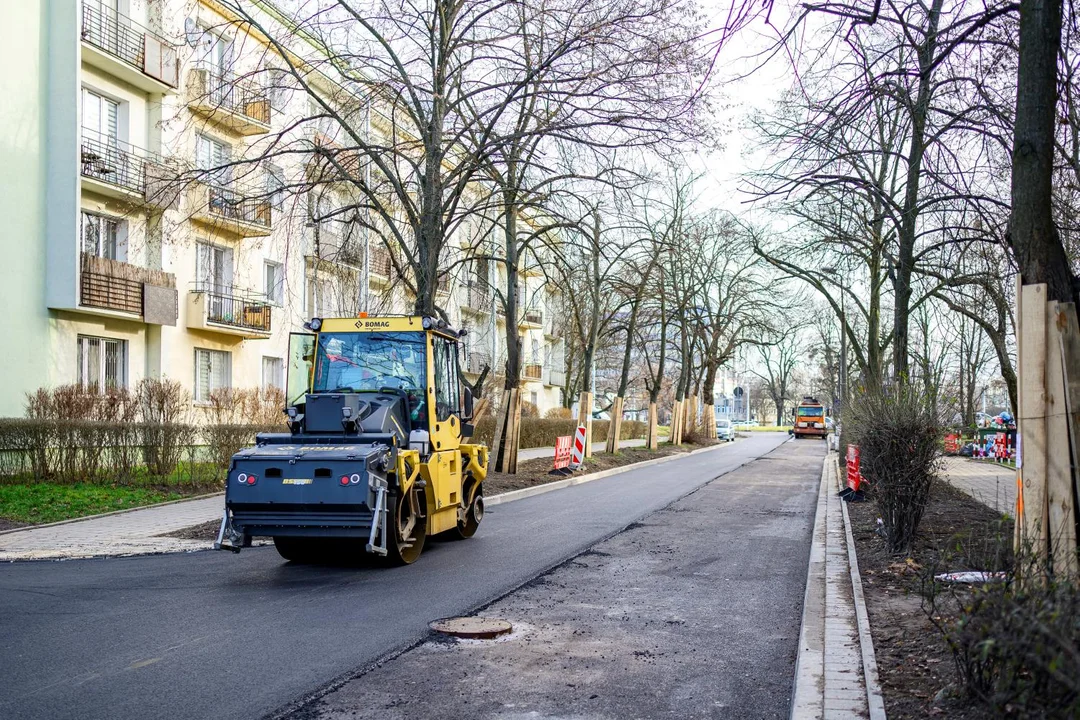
[(585, 403), (1032, 235), (905, 265), (615, 426)]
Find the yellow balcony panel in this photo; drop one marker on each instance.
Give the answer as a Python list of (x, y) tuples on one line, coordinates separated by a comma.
[(228, 102), (223, 312), (227, 209)]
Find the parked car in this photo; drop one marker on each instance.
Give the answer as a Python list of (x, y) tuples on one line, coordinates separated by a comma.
[(725, 430)]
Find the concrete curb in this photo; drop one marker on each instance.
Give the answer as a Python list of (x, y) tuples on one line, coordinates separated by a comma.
[(523, 493), (874, 698), (807, 699), (84, 518)]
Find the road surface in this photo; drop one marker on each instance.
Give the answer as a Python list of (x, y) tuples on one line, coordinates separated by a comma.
[(216, 635)]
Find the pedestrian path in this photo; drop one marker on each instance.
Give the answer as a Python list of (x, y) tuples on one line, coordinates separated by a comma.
[(137, 532), (125, 533), (836, 675), (991, 484)]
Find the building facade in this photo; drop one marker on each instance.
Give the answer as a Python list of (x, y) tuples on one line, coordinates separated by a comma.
[(118, 270)]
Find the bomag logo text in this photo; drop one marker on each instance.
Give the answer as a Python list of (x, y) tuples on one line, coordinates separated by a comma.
[(372, 324)]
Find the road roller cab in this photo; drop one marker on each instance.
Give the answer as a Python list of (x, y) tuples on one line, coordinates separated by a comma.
[(378, 454)]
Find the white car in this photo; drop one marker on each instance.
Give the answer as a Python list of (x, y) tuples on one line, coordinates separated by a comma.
[(725, 430)]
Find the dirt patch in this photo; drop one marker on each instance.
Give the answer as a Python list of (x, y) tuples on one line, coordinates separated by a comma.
[(918, 675), (203, 531), (11, 524), (538, 471)]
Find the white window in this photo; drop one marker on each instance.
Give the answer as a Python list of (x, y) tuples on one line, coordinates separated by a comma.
[(274, 284), (102, 236), (214, 269), (213, 156), (533, 399), (275, 186), (213, 52), (273, 372), (102, 362), (213, 371), (100, 117)]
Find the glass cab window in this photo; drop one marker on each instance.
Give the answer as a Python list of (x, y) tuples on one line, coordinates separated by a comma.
[(359, 362)]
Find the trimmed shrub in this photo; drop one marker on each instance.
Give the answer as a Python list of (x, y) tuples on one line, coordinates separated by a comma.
[(528, 410), (898, 435), (537, 432), (223, 441), (248, 406), (1017, 648), (558, 413)]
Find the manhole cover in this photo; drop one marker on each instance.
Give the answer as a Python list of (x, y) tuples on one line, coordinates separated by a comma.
[(477, 628)]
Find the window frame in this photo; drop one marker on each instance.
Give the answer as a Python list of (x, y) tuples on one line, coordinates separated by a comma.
[(82, 361), (279, 370), (274, 295), (119, 228), (197, 398)]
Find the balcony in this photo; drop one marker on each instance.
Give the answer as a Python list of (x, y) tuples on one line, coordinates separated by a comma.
[(119, 287), (555, 377), (116, 169), (381, 265), (228, 310), (476, 362), (533, 371), (124, 49), (230, 209), (228, 101), (332, 163), (477, 300), (531, 318)]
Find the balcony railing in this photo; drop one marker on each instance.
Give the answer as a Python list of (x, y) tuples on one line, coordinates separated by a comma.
[(556, 377), (119, 36), (225, 306), (476, 362), (241, 104), (478, 298), (381, 264), (532, 316), (230, 204), (114, 285), (534, 371), (115, 162)]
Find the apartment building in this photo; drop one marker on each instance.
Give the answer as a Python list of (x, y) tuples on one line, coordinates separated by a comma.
[(116, 270)]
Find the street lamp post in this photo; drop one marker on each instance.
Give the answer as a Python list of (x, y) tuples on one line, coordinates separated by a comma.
[(832, 272)]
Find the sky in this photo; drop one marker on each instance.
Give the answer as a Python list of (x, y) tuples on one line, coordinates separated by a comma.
[(743, 86)]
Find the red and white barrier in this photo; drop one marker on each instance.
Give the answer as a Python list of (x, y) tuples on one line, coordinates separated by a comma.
[(562, 451), (578, 455)]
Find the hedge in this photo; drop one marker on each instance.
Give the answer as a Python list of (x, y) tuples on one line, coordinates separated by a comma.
[(69, 451), (541, 432), (80, 450)]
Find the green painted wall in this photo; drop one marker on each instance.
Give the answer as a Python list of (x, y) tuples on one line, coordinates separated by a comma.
[(33, 71)]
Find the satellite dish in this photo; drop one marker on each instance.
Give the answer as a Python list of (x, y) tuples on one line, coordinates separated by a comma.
[(191, 32)]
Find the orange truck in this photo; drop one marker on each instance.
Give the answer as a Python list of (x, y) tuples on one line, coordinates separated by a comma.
[(810, 419)]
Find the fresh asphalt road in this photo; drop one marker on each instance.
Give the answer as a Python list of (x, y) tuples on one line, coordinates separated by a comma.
[(216, 635)]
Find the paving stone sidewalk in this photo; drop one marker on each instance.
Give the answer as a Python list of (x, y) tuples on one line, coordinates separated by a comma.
[(991, 484), (133, 532), (836, 655)]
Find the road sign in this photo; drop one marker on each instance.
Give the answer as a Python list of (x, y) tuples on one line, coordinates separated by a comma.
[(737, 392)]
